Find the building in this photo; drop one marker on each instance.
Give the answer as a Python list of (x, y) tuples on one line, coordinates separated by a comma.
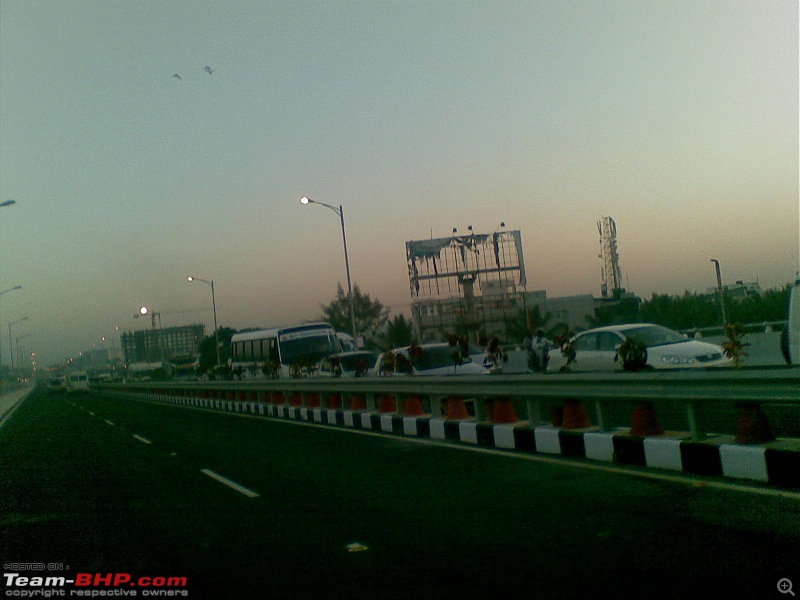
[(738, 291), (162, 345)]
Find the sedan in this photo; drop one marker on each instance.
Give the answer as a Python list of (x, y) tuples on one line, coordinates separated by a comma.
[(432, 359), (598, 349)]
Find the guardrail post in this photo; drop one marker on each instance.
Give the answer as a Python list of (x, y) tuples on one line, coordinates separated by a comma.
[(600, 409), (480, 408), (436, 406), (694, 431), (534, 411)]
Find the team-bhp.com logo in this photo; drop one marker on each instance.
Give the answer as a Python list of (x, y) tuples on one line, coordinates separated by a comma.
[(93, 585)]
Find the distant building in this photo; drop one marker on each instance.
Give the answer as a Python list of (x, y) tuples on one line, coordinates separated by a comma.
[(574, 311), (738, 291), (162, 345)]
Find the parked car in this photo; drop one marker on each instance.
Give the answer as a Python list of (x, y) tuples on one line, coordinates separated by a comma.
[(347, 364), (57, 384), (598, 349), (433, 359)]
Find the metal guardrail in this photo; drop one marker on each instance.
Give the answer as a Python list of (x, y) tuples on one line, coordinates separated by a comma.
[(745, 389), (761, 327)]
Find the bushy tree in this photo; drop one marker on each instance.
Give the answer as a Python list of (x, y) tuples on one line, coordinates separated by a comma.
[(371, 315), (399, 332), (208, 352)]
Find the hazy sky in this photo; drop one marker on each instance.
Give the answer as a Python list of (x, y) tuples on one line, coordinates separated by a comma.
[(678, 119)]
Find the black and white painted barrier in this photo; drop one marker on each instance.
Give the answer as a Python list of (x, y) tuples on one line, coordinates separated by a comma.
[(484, 411)]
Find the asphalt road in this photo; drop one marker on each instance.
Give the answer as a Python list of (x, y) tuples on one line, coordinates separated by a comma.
[(244, 507)]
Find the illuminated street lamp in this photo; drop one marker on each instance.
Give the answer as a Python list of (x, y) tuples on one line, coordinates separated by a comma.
[(340, 211), (214, 304)]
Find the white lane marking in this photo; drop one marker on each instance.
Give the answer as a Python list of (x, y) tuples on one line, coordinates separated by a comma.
[(110, 422), (239, 488), (91, 413), (141, 439)]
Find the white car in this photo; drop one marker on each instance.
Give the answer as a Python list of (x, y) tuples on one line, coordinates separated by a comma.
[(434, 359), (347, 364), (597, 349)]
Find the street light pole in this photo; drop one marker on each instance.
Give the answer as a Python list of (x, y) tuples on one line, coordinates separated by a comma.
[(721, 293), (16, 287), (340, 211), (9, 337), (214, 304)]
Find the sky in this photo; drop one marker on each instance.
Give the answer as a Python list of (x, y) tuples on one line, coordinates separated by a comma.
[(677, 119)]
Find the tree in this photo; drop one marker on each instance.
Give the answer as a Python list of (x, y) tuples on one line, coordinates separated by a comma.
[(208, 351), (525, 324), (370, 314), (399, 332)]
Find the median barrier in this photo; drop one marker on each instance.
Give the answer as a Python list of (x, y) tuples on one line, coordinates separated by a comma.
[(746, 451)]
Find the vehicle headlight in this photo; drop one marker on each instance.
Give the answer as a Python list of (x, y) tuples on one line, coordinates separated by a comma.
[(674, 359)]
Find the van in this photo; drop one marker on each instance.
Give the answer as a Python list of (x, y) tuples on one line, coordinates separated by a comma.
[(78, 382), (790, 338)]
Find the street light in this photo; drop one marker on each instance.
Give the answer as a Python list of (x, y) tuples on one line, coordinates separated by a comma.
[(22, 337), (7, 203), (214, 304), (16, 287), (340, 211), (721, 293), (9, 337)]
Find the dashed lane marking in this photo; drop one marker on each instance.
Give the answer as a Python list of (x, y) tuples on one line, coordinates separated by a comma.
[(231, 484), (141, 439)]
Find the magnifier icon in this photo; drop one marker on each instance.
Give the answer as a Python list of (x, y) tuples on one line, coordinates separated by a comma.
[(785, 586)]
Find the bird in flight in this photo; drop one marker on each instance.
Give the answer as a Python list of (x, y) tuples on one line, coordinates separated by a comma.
[(177, 76), (208, 69)]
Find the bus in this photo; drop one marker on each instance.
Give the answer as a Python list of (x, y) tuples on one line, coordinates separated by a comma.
[(282, 351)]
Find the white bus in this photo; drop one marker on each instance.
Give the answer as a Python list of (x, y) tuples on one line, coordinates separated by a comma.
[(282, 350)]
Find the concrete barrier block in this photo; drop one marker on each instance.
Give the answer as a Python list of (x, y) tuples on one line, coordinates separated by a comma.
[(504, 436), (547, 440), (663, 453), (468, 432), (744, 462), (599, 445), (437, 429)]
